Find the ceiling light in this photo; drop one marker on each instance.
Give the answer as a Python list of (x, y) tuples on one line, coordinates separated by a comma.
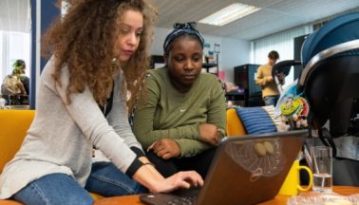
[(228, 14)]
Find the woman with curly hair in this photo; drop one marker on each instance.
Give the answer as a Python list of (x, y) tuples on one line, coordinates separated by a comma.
[(97, 49)]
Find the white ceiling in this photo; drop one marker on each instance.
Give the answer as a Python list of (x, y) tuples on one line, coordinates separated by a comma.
[(275, 15)]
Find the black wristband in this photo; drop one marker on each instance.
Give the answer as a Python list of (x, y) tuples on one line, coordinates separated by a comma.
[(137, 151), (136, 164)]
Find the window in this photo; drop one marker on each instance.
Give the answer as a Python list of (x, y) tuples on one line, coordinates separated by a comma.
[(13, 46), (15, 35)]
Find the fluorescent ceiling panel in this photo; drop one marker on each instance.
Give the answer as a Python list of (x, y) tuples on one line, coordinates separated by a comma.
[(229, 14)]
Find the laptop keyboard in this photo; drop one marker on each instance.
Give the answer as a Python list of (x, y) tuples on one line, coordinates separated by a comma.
[(188, 200), (184, 196), (178, 197)]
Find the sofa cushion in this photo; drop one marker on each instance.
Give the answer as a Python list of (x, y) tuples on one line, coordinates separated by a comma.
[(256, 120), (13, 126)]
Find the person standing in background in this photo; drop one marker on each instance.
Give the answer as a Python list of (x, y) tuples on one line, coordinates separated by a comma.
[(264, 79), (20, 64)]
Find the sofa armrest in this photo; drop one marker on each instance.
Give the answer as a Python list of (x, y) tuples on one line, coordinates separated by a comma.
[(14, 125), (234, 125)]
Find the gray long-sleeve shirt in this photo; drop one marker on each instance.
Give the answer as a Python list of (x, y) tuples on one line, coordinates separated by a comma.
[(61, 136)]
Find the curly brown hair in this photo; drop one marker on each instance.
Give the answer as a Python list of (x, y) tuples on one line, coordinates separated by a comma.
[(84, 40)]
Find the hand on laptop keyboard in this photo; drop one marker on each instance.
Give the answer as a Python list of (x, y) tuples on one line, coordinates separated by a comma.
[(183, 179)]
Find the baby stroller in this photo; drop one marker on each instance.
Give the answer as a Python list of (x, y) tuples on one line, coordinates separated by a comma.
[(330, 83)]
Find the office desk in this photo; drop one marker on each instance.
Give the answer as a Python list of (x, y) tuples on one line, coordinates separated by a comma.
[(278, 200)]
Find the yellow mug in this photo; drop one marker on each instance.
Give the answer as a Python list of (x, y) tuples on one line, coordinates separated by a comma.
[(291, 185)]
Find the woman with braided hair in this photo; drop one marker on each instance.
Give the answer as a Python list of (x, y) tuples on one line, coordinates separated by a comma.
[(181, 117)]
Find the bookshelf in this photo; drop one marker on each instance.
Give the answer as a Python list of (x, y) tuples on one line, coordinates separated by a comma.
[(244, 78)]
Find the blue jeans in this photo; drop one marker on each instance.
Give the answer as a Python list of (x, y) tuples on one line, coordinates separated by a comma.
[(59, 189), (105, 179), (271, 100)]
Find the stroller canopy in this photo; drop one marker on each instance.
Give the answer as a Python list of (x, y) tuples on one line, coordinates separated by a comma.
[(330, 79)]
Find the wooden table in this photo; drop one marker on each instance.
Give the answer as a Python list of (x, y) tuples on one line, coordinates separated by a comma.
[(278, 200)]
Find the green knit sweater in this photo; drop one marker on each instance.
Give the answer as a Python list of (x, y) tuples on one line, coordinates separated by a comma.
[(167, 113)]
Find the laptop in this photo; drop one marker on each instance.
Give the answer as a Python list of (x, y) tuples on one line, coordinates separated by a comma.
[(245, 170)]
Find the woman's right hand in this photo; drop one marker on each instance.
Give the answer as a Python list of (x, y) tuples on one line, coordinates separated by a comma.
[(183, 179), (149, 177)]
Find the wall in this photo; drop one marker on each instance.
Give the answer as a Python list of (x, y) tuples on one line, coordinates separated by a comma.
[(157, 44), (233, 52)]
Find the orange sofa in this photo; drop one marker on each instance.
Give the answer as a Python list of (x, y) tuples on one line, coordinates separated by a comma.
[(14, 124), (13, 127)]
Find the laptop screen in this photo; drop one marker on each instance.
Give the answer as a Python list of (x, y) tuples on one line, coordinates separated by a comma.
[(251, 169), (245, 170)]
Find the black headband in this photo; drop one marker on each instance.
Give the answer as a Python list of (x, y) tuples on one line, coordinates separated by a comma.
[(179, 30)]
